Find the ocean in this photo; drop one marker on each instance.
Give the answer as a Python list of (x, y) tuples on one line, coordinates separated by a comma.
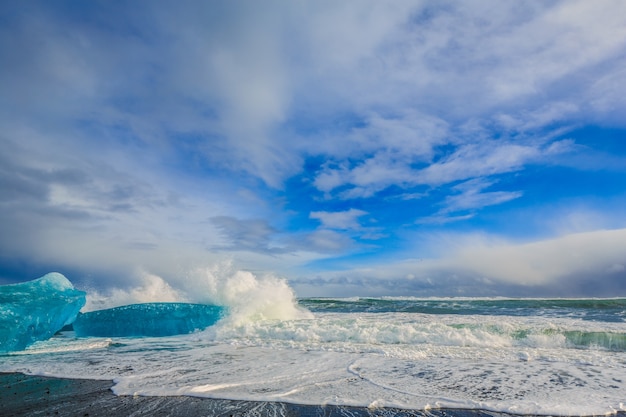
[(520, 356)]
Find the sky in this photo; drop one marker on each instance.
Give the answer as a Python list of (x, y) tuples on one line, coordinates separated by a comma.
[(353, 148)]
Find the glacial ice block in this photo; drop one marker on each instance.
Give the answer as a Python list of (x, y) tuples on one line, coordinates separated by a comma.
[(36, 310), (150, 319)]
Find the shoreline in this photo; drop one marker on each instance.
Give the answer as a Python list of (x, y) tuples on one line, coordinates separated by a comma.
[(28, 395)]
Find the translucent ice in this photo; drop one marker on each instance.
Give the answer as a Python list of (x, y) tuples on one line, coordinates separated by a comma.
[(150, 319), (36, 310)]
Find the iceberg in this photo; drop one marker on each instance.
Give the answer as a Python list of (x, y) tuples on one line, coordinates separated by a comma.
[(36, 310), (149, 319)]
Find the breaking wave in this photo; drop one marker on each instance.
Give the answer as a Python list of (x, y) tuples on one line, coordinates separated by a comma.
[(247, 296)]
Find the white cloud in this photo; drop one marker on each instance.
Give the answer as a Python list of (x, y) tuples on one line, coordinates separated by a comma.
[(340, 220), (124, 132), (472, 196), (330, 178), (607, 100), (478, 160), (376, 174), (573, 265), (549, 261), (249, 76), (386, 147), (328, 241), (481, 159), (443, 218), (403, 134), (231, 75), (249, 234)]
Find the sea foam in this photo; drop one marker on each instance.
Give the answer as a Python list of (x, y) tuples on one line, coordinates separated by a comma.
[(248, 296), (523, 357)]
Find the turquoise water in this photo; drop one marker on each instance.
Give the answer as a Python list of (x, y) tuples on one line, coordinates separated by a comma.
[(601, 310)]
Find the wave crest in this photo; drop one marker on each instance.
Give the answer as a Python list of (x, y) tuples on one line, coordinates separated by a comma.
[(249, 297)]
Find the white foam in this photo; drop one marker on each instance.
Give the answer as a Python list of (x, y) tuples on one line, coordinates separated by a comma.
[(403, 360), (373, 330), (151, 288), (249, 297), (64, 343)]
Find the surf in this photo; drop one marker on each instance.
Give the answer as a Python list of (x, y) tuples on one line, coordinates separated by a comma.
[(539, 356)]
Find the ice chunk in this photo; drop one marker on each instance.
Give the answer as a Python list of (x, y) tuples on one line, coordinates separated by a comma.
[(36, 310), (150, 319)]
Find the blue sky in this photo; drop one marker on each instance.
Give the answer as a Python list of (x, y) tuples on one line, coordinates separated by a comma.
[(352, 148)]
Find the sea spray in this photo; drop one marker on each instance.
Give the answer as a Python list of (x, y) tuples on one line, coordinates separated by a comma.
[(150, 289), (249, 297)]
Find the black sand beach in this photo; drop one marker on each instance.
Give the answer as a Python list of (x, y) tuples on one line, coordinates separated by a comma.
[(23, 395)]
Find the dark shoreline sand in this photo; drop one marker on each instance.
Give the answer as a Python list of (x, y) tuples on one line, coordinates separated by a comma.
[(24, 395)]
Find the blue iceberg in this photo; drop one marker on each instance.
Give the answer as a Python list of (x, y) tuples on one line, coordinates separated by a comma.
[(36, 310), (150, 319)]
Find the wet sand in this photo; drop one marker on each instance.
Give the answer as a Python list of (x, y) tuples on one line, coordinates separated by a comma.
[(23, 395)]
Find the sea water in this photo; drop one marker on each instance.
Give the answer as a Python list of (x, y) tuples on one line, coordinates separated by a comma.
[(522, 356)]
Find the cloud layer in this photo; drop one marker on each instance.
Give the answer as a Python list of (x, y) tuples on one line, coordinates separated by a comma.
[(589, 263), (316, 140)]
